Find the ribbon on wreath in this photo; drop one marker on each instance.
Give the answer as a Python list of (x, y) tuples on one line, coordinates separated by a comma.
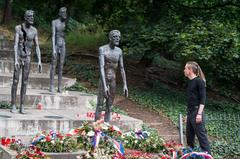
[(116, 144)]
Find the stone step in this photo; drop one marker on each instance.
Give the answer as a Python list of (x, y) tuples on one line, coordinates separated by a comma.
[(6, 54), (36, 121), (6, 44), (36, 81), (68, 100), (7, 66)]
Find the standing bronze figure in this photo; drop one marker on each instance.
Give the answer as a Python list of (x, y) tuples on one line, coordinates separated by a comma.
[(25, 36), (110, 56), (58, 46)]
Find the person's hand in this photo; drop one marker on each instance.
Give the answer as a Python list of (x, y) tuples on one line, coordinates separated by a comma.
[(106, 91), (125, 91), (39, 67), (199, 118), (16, 65), (54, 53), (184, 119)]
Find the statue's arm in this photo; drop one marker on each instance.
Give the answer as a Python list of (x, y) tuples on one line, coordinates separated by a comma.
[(38, 52), (53, 37), (16, 41), (37, 47), (125, 89)]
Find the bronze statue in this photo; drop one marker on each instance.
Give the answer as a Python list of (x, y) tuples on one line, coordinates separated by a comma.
[(25, 36), (110, 56), (58, 46)]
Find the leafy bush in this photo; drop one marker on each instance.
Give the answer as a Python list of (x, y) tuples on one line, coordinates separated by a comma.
[(81, 36)]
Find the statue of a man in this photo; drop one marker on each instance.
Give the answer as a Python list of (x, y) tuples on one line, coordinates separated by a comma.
[(110, 56), (58, 46), (25, 36)]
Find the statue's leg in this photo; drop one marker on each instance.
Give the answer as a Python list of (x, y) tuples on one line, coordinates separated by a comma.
[(109, 101), (100, 101), (60, 68), (52, 72), (25, 74), (14, 89)]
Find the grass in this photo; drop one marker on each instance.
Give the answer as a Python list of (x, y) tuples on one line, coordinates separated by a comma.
[(86, 38), (171, 102)]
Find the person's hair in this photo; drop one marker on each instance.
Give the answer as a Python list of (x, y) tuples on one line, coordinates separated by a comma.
[(196, 70), (112, 32), (27, 12)]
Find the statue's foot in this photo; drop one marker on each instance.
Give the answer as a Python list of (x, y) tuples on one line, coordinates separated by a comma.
[(51, 89), (22, 111), (59, 90), (14, 109)]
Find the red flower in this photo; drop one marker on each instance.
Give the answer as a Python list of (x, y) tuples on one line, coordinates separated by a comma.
[(76, 131), (68, 135), (3, 141), (48, 138), (13, 140)]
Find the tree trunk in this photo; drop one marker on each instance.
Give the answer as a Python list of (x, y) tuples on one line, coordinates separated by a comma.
[(7, 12)]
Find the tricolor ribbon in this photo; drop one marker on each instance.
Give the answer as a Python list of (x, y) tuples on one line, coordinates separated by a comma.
[(116, 144), (195, 154), (38, 138), (96, 138)]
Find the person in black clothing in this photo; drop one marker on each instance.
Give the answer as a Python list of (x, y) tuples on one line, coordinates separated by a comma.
[(196, 96)]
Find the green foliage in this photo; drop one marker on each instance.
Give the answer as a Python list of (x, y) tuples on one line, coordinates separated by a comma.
[(205, 31), (213, 44), (77, 87), (81, 36), (4, 105), (68, 144), (83, 71), (223, 117), (161, 98), (152, 143), (223, 149), (165, 63)]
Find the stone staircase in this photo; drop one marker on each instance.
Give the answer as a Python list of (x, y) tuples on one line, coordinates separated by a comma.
[(58, 112)]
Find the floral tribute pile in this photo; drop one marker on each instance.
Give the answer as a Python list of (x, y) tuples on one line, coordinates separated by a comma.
[(101, 139)]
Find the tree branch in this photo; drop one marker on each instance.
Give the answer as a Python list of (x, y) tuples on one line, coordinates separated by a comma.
[(222, 4)]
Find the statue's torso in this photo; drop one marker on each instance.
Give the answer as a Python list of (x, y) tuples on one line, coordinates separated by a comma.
[(25, 39), (59, 32), (111, 60)]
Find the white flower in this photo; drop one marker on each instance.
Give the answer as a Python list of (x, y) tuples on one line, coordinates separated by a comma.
[(90, 133), (53, 142), (61, 141), (43, 140), (128, 134), (104, 126)]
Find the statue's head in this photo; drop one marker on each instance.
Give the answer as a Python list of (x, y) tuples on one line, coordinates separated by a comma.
[(114, 37), (28, 16), (63, 13)]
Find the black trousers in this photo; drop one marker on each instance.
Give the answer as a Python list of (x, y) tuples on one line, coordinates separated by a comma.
[(199, 130)]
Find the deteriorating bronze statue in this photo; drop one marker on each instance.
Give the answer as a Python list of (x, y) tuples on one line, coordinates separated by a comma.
[(110, 56), (25, 36), (58, 46)]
